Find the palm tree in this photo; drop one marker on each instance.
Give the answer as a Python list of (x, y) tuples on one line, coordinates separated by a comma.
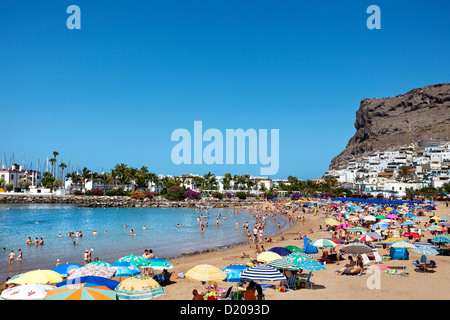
[(404, 173), (106, 179), (85, 173), (75, 177), (122, 174), (52, 161), (63, 166), (55, 154), (227, 181)]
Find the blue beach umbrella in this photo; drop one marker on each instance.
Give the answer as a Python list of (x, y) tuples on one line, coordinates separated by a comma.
[(426, 250), (233, 272), (311, 265), (125, 269), (65, 269), (281, 251), (441, 239), (100, 281)]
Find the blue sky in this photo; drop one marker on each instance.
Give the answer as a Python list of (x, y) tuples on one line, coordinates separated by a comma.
[(115, 90)]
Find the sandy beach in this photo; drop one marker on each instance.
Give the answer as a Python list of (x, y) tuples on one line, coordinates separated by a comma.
[(327, 284)]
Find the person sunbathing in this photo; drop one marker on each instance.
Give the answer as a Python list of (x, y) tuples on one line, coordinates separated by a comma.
[(356, 269)]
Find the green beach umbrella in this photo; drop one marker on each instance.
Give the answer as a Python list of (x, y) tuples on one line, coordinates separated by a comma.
[(138, 261), (293, 248), (159, 264), (323, 243), (296, 258)]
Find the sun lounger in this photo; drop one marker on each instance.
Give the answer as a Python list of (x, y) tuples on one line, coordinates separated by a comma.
[(378, 258), (366, 260), (307, 281)]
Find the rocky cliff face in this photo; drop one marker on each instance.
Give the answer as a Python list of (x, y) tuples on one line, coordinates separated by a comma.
[(388, 123)]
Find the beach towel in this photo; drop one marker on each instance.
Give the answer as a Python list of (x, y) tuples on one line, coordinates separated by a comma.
[(396, 272)]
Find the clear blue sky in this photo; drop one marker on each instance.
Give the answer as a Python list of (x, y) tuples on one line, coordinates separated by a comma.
[(115, 90)]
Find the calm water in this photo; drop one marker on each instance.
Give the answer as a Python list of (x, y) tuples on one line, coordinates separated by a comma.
[(18, 222)]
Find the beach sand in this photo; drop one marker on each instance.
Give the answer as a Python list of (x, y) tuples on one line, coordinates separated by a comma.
[(327, 284)]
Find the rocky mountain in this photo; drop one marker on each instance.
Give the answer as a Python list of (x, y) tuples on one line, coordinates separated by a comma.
[(388, 123)]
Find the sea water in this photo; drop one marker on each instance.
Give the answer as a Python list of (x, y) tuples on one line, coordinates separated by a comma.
[(162, 233)]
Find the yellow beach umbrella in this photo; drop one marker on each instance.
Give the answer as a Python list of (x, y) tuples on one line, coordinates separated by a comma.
[(332, 222), (205, 272), (268, 256), (139, 288), (38, 276)]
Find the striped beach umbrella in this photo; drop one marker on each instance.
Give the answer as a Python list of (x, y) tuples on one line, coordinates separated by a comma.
[(323, 243), (367, 238), (262, 273), (284, 264), (83, 291), (357, 229), (205, 272), (139, 288), (268, 256)]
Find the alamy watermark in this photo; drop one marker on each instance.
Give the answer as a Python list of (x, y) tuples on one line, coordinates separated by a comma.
[(213, 152)]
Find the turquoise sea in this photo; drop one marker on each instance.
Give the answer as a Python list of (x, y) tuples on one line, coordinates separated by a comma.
[(18, 222)]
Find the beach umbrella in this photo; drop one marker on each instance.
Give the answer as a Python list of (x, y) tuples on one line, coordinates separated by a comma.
[(281, 251), (411, 234), (357, 229), (82, 291), (356, 248), (296, 258), (99, 281), (138, 261), (100, 264), (366, 238), (395, 240), (26, 292), (233, 272), (125, 269), (311, 265), (441, 239), (268, 256), (205, 272), (139, 288), (392, 216), (408, 223), (92, 270), (374, 235), (67, 268), (38, 277), (159, 264), (284, 264), (293, 249), (323, 243), (370, 218), (344, 226), (332, 222), (403, 244), (410, 215), (262, 273), (426, 250)]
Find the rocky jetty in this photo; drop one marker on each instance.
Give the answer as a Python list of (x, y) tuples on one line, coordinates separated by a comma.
[(121, 201), (389, 123)]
